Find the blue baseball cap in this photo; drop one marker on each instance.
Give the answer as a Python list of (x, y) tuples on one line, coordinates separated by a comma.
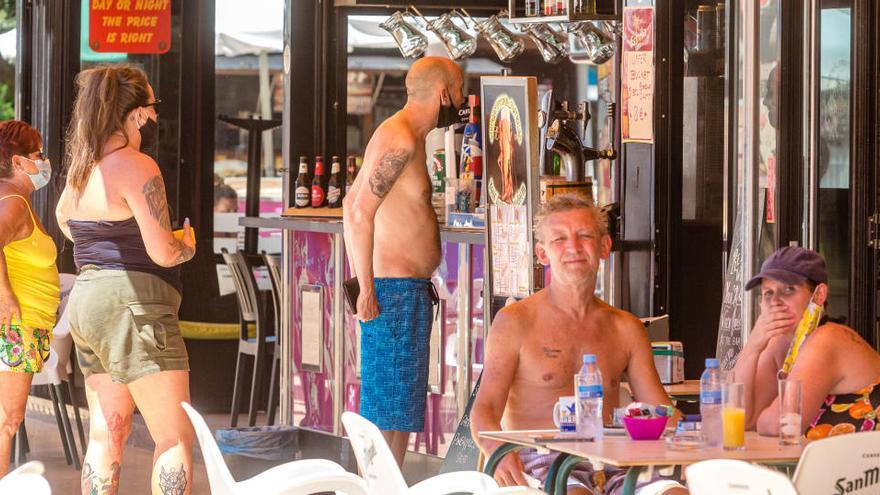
[(792, 265)]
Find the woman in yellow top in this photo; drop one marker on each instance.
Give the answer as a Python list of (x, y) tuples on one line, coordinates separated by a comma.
[(29, 292)]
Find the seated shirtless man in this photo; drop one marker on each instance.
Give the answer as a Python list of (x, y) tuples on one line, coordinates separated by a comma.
[(535, 347)]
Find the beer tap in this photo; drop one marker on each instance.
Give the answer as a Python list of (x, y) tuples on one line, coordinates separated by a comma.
[(561, 137)]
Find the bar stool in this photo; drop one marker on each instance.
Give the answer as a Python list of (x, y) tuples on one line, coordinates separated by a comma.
[(273, 263), (249, 311)]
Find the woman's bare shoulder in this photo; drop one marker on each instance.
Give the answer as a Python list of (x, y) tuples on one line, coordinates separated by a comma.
[(126, 160)]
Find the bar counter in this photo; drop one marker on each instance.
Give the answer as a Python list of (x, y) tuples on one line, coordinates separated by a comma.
[(320, 376)]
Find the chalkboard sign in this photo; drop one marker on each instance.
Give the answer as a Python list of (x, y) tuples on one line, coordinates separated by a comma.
[(730, 323), (463, 454)]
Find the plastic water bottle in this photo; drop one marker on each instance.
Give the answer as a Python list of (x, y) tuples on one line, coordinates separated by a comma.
[(710, 403), (588, 391)]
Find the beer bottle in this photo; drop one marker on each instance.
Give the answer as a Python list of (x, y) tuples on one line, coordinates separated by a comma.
[(301, 194), (350, 173), (334, 186), (319, 196)]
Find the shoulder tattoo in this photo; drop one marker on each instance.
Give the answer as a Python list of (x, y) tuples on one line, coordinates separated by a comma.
[(387, 171), (157, 201)]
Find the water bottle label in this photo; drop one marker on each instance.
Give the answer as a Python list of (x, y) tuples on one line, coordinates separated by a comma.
[(589, 391), (710, 397)]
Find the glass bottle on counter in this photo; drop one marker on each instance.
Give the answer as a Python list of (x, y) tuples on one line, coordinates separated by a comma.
[(350, 172), (561, 7), (319, 195), (549, 7), (532, 8), (334, 185), (302, 196)]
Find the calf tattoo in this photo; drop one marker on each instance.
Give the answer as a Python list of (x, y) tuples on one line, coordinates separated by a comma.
[(387, 171), (92, 484), (172, 482)]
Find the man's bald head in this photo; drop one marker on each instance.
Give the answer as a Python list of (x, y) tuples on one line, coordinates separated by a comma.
[(428, 75)]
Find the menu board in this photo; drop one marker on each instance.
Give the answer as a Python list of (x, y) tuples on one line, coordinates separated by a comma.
[(463, 453), (637, 75), (730, 324)]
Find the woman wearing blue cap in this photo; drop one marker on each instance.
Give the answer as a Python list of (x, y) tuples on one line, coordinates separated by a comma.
[(834, 364)]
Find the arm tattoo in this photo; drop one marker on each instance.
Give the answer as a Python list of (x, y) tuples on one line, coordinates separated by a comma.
[(390, 166), (172, 482), (154, 191), (180, 253), (95, 485)]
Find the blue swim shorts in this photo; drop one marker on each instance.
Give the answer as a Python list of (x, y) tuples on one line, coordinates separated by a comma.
[(394, 355)]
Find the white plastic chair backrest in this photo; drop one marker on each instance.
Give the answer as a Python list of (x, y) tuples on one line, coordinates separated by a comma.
[(840, 464), (27, 478), (219, 477), (29, 483), (730, 477), (374, 458), (33, 467)]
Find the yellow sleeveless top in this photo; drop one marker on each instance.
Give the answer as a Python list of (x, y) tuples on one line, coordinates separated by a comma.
[(30, 264)]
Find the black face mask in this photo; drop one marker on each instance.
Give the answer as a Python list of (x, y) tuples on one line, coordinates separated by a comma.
[(449, 115), (149, 137)]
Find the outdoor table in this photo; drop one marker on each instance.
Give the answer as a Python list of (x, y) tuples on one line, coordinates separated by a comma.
[(621, 451)]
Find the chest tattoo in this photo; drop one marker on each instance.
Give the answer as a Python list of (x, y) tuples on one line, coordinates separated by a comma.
[(551, 353)]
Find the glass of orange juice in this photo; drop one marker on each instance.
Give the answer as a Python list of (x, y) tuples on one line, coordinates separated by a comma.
[(733, 416)]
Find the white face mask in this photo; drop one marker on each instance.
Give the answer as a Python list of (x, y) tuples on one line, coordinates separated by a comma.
[(44, 173)]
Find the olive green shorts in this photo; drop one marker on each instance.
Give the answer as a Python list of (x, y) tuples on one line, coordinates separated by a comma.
[(124, 323)]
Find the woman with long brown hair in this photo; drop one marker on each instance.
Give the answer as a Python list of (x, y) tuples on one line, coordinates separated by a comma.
[(123, 307), (29, 290)]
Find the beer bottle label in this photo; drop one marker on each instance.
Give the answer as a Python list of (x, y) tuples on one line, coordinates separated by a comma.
[(302, 197), (317, 196), (333, 194)]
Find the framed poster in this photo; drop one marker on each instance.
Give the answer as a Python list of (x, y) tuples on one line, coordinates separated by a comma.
[(510, 156)]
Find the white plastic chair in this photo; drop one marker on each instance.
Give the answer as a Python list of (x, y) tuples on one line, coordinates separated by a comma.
[(293, 478), (731, 477), (27, 478), (850, 461), (383, 476), (57, 370)]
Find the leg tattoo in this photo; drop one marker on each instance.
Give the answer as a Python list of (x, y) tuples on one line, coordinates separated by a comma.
[(92, 484), (172, 482)]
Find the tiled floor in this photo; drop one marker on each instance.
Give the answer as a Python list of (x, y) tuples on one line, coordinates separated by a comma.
[(45, 446)]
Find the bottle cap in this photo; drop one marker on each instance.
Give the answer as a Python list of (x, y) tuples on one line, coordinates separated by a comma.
[(335, 158), (319, 157), (303, 158), (711, 363), (589, 358)]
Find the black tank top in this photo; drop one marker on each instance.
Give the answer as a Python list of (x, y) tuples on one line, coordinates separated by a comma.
[(116, 245)]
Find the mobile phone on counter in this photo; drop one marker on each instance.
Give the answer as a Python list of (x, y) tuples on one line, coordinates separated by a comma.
[(352, 290)]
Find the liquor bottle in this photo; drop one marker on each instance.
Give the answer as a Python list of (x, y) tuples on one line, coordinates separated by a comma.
[(319, 195), (350, 173), (471, 146), (532, 8), (334, 185), (301, 194)]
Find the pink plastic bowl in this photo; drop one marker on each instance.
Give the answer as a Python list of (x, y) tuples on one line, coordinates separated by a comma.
[(645, 428)]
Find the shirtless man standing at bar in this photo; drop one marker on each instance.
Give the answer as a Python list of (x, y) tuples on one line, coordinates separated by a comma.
[(535, 347), (393, 242)]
